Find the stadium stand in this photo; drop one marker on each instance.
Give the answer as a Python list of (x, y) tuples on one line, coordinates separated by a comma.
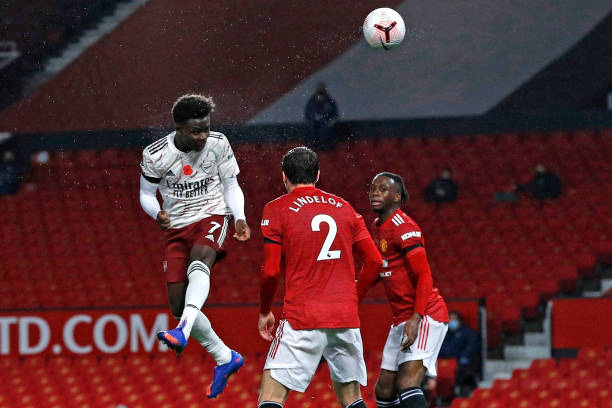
[(585, 381), (77, 228), (109, 381), (40, 28)]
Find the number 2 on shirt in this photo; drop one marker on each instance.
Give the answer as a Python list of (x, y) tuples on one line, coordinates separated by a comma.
[(325, 253)]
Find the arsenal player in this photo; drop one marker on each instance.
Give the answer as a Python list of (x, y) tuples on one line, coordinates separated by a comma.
[(420, 316), (195, 171), (315, 233)]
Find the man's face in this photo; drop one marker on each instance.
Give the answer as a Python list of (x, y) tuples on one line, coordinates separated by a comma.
[(194, 133), (383, 194)]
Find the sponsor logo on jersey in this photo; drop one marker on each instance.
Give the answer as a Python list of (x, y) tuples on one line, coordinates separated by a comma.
[(169, 173), (383, 245), (411, 234), (385, 274), (265, 223)]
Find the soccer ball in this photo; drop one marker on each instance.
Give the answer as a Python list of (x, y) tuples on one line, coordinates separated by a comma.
[(384, 28)]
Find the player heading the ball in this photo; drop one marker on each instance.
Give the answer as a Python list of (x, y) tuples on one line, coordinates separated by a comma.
[(315, 233), (195, 171), (420, 316)]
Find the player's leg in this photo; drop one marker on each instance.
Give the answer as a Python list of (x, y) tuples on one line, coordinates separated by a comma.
[(419, 360), (272, 394), (202, 330), (409, 379), (386, 385), (292, 360), (344, 356), (386, 389), (348, 394)]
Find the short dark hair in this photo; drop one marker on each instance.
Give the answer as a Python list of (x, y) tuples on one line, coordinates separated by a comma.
[(399, 181), (301, 165), (191, 106)]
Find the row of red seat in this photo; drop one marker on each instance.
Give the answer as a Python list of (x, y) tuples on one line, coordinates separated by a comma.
[(145, 381), (585, 381)]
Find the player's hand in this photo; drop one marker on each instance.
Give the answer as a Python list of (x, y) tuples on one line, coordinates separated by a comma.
[(266, 326), (411, 328), (163, 220), (243, 232)]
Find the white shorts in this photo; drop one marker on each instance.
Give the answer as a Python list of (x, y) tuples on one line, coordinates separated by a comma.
[(295, 355), (426, 346)]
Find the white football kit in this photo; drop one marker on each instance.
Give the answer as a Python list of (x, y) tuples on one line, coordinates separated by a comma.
[(190, 183)]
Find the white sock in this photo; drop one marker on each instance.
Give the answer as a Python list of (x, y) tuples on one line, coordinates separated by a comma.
[(198, 286), (206, 336)]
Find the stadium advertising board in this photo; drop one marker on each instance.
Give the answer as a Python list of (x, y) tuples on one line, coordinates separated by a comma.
[(132, 331)]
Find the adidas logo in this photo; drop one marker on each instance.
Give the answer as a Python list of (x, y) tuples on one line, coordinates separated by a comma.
[(169, 173)]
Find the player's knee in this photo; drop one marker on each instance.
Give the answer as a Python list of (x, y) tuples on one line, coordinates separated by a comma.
[(269, 404), (203, 253), (411, 375), (384, 391)]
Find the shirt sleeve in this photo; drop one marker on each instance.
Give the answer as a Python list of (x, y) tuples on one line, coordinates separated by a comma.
[(226, 161), (409, 237), (420, 267), (360, 231), (372, 262), (271, 226), (149, 171), (270, 272)]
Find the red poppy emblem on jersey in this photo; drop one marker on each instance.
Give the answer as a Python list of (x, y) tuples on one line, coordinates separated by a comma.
[(188, 170)]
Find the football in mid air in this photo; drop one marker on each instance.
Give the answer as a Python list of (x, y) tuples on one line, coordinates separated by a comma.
[(384, 28)]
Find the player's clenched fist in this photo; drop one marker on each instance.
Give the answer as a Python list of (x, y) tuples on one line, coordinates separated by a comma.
[(243, 232), (163, 220)]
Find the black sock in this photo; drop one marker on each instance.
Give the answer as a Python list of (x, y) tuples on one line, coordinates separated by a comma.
[(357, 404), (412, 397), (270, 404), (388, 403)]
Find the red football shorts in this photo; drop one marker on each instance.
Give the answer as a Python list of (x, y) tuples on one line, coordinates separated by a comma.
[(210, 231)]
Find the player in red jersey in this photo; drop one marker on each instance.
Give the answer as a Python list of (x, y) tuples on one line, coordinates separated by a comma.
[(420, 316), (315, 233)]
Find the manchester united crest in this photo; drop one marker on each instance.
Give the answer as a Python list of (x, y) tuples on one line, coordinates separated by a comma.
[(383, 245)]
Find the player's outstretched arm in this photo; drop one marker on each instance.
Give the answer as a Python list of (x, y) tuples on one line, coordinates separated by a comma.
[(150, 205), (234, 197), (270, 273), (372, 262), (420, 266)]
